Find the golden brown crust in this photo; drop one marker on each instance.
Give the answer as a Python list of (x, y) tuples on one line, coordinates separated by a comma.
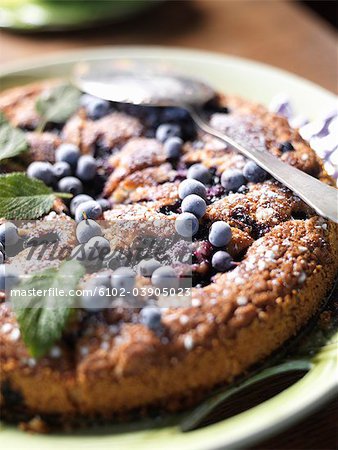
[(117, 364), (134, 368)]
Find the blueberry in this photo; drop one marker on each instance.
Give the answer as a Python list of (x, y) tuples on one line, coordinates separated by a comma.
[(150, 316), (8, 278), (191, 186), (173, 147), (115, 259), (232, 180), (220, 234), (86, 168), (286, 147), (9, 234), (88, 257), (147, 267), (41, 171), (71, 185), (186, 225), (200, 173), (165, 277), (68, 153), (222, 261), (94, 296), (254, 173), (101, 244), (89, 210), (61, 169), (86, 230), (96, 108), (194, 205), (123, 278), (166, 131), (104, 203), (77, 200)]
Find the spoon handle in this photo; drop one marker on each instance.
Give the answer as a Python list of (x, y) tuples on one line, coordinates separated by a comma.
[(321, 197)]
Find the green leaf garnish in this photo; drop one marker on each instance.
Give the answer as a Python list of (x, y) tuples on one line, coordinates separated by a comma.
[(42, 319), (23, 198), (57, 104), (12, 140)]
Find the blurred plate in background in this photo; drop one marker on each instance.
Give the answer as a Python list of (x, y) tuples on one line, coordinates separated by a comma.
[(59, 15)]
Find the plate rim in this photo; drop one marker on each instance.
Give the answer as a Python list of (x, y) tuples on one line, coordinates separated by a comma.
[(213, 436)]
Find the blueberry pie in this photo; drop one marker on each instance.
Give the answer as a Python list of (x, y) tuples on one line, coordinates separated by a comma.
[(261, 264)]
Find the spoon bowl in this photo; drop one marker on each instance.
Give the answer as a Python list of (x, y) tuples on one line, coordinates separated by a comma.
[(140, 85)]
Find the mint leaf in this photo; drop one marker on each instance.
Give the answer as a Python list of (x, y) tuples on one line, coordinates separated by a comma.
[(57, 104), (23, 198), (42, 319), (12, 140)]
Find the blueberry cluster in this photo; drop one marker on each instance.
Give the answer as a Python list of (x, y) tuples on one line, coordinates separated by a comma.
[(95, 290), (193, 193), (94, 296), (69, 173), (93, 247), (94, 252), (233, 179), (219, 236), (69, 162), (163, 277), (72, 172), (171, 137)]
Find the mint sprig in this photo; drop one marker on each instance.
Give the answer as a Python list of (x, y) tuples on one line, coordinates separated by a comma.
[(12, 140), (57, 104), (42, 319), (23, 198)]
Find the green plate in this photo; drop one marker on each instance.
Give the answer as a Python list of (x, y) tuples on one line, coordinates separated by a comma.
[(259, 83), (58, 15)]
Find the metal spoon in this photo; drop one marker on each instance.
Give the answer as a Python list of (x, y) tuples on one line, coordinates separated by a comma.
[(149, 85)]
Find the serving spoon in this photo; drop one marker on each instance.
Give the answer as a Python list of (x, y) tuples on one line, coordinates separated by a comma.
[(147, 85)]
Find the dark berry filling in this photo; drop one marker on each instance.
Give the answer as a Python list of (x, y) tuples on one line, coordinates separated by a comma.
[(286, 147)]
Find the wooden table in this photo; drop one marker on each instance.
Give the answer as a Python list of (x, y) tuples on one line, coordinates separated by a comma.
[(275, 32)]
